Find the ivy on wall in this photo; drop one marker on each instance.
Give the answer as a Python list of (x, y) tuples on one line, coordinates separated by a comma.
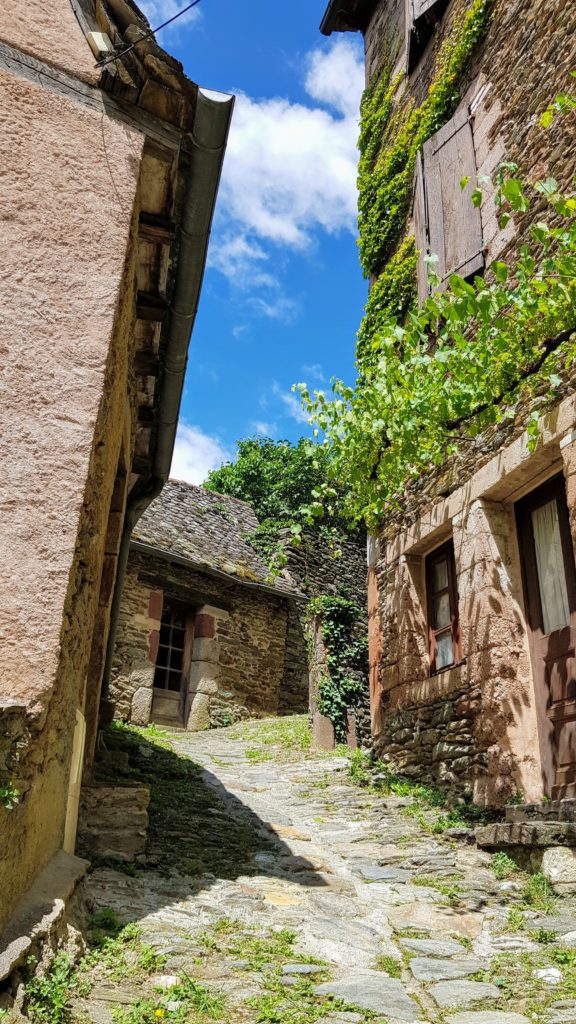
[(432, 379), (344, 681), (392, 134)]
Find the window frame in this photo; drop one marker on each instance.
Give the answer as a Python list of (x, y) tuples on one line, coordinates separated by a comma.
[(420, 27), (188, 614), (443, 553)]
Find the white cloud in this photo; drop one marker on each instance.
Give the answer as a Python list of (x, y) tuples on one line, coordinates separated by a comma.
[(291, 402), (195, 454), (289, 173), (277, 307), (337, 78), (159, 11), (264, 429), (314, 370)]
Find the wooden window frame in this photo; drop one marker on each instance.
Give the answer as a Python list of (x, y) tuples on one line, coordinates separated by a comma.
[(445, 552), (188, 615), (420, 25), (552, 490)]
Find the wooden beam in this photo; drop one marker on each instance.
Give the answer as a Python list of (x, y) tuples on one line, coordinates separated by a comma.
[(156, 229), (152, 308), (146, 364)]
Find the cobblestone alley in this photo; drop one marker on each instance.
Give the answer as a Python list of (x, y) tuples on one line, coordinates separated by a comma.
[(277, 889)]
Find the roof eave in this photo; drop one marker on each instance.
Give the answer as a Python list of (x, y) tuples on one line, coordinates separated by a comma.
[(288, 593), (345, 16)]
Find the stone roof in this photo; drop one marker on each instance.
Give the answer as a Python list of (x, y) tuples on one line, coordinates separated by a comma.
[(209, 530)]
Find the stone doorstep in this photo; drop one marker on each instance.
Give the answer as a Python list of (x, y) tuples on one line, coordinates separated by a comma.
[(41, 910), (548, 811), (526, 833)]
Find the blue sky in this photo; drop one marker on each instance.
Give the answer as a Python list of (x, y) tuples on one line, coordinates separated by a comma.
[(283, 292)]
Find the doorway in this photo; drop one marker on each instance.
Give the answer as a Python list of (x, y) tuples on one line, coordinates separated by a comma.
[(549, 578), (172, 664)]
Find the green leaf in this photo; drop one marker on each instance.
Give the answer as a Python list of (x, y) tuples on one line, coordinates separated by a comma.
[(500, 271)]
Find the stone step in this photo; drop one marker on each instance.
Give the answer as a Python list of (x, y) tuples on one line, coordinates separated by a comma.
[(505, 834), (549, 810)]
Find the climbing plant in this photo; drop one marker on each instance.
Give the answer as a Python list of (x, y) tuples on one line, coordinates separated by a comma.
[(392, 133), (470, 356), (9, 794), (344, 681)]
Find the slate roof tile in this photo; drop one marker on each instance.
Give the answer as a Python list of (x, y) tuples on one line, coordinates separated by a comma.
[(210, 530)]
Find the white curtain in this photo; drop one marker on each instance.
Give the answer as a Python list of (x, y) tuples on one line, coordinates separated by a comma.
[(551, 571)]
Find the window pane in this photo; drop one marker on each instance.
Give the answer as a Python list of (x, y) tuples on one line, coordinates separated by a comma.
[(441, 611), (551, 571), (174, 681), (444, 652), (176, 660), (440, 575)]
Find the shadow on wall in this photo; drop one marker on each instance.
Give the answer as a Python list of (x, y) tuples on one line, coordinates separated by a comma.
[(198, 834), (472, 727)]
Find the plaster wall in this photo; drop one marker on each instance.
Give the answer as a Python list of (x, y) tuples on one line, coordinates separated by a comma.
[(67, 220), (48, 31)]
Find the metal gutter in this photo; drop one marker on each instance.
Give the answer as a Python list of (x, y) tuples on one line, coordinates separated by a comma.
[(191, 563), (208, 140)]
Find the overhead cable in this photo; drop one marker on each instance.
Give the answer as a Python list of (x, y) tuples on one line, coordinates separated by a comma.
[(122, 53)]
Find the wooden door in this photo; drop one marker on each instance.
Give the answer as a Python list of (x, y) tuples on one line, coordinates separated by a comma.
[(549, 577), (172, 664)]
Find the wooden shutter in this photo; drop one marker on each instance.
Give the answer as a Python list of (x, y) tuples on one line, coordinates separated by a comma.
[(421, 228), (421, 18), (421, 7), (454, 224)]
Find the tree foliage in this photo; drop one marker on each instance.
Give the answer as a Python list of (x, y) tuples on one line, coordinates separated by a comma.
[(288, 485), (276, 477)]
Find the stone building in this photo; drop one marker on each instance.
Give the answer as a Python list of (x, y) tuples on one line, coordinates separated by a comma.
[(111, 159), (472, 583), (204, 637)]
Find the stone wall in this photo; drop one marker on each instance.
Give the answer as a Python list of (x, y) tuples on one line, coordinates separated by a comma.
[(241, 657), (528, 37), (320, 568), (474, 726)]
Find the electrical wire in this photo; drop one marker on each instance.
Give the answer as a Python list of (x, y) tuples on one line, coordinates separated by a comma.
[(122, 53)]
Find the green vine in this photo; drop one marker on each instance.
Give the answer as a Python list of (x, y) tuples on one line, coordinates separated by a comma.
[(344, 681), (469, 357), (9, 795), (392, 134), (389, 299)]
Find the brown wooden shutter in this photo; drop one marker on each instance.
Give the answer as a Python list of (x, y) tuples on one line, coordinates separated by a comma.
[(454, 224), (421, 228), (421, 7), (421, 18)]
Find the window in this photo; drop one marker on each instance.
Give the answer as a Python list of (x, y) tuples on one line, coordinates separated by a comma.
[(446, 224), (421, 19), (171, 649), (442, 598)]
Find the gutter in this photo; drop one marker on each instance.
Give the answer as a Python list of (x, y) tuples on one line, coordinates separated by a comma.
[(190, 563), (209, 136)]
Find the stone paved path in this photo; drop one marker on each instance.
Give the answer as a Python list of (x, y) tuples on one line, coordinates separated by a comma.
[(407, 926)]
